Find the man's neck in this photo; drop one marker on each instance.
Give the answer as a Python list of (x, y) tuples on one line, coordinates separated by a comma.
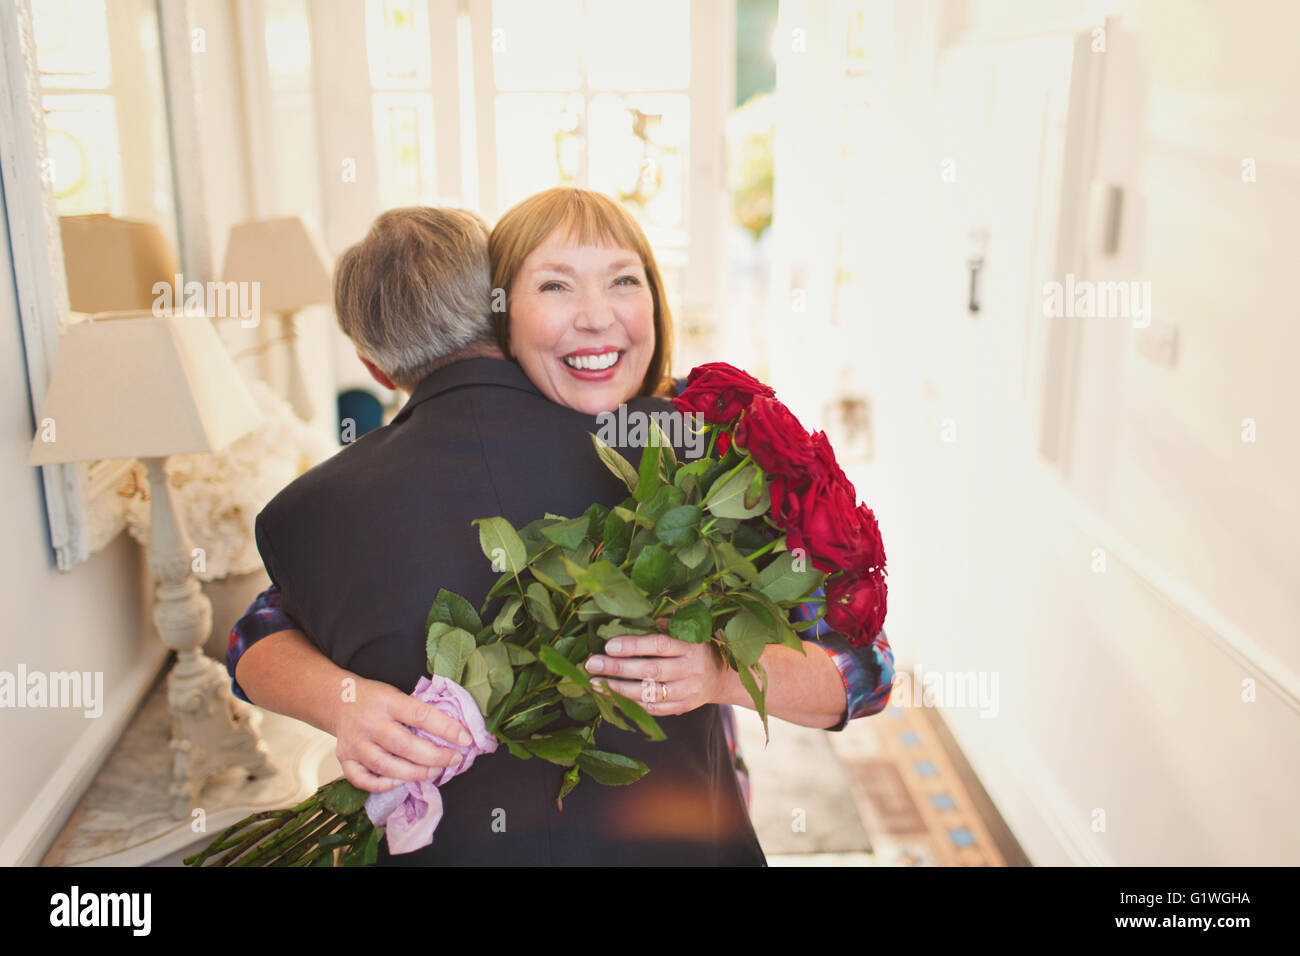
[(477, 350)]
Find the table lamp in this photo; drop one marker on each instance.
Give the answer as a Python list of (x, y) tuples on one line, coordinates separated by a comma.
[(133, 385), (292, 272), (113, 264)]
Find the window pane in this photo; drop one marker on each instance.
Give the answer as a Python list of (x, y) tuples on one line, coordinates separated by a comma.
[(404, 149), (85, 155), (71, 43), (535, 45), (628, 47), (288, 45), (397, 43), (637, 150), (539, 142)]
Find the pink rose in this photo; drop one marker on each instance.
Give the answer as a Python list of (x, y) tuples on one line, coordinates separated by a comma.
[(412, 811)]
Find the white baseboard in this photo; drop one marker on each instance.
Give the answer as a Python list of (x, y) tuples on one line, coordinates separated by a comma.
[(35, 831), (1048, 826)]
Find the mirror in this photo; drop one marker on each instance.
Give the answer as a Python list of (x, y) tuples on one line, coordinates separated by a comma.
[(91, 200)]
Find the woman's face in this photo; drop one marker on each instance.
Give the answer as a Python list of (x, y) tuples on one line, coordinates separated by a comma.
[(582, 323)]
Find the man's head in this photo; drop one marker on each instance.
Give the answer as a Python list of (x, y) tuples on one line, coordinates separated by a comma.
[(415, 292)]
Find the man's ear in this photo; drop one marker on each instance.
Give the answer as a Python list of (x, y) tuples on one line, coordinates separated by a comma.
[(376, 374)]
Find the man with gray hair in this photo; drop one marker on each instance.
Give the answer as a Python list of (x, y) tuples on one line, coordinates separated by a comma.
[(358, 547), (414, 293)]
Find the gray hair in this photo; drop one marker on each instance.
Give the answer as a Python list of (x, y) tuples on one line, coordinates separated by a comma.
[(416, 290)]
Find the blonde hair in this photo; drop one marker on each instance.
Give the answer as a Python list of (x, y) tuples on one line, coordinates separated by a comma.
[(416, 290), (590, 218)]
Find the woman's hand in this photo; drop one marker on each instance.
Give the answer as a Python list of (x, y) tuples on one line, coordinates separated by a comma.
[(377, 752), (645, 664)]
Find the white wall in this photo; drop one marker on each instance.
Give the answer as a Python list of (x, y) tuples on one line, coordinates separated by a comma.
[(89, 619), (1121, 734)]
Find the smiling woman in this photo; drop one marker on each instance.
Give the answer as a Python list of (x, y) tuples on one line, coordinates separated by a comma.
[(586, 315)]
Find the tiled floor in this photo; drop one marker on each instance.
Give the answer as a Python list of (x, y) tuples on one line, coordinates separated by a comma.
[(889, 790)]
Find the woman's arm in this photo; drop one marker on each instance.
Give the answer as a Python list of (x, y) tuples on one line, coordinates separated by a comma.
[(828, 685), (375, 748)]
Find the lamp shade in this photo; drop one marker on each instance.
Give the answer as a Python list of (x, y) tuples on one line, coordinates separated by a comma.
[(137, 386), (283, 257), (112, 264)]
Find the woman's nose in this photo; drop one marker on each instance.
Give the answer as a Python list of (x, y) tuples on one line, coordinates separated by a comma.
[(595, 313)]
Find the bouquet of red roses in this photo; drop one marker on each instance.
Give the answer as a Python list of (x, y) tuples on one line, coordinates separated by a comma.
[(811, 499), (721, 549)]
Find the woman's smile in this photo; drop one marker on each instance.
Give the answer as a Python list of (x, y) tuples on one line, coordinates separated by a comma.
[(593, 365)]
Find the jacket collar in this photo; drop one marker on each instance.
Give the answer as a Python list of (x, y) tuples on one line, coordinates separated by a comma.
[(467, 372)]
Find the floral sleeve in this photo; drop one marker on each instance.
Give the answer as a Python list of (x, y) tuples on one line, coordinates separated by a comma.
[(867, 670), (263, 617)]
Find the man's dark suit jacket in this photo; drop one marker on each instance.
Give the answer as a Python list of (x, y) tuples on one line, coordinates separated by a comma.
[(359, 546)]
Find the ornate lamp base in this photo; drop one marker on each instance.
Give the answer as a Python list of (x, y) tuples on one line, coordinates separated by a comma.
[(211, 730)]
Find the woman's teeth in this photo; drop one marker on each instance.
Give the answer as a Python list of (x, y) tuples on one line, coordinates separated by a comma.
[(592, 363)]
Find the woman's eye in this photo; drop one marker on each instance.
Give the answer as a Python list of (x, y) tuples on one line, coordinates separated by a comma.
[(632, 280), (548, 286)]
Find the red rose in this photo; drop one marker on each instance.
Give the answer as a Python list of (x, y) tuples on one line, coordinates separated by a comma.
[(824, 463), (826, 525), (855, 606), (784, 491), (774, 438), (873, 550), (720, 392)]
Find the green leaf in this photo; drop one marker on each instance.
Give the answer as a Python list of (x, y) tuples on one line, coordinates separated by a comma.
[(477, 680), (693, 623), (693, 554), (732, 560), (781, 582), (637, 714), (561, 747), (582, 708), (451, 608), (561, 666), (611, 769), (757, 693), (532, 719), (774, 618), (652, 568), (549, 569), (666, 497), (501, 676), (607, 711), (505, 583), (611, 590), (488, 676), (648, 480), (690, 476), (505, 621), (519, 655), (678, 526), (746, 637), (568, 534), (539, 603), (727, 499), (616, 463), (595, 514), (618, 627), (448, 648), (501, 544), (342, 798), (568, 689)]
